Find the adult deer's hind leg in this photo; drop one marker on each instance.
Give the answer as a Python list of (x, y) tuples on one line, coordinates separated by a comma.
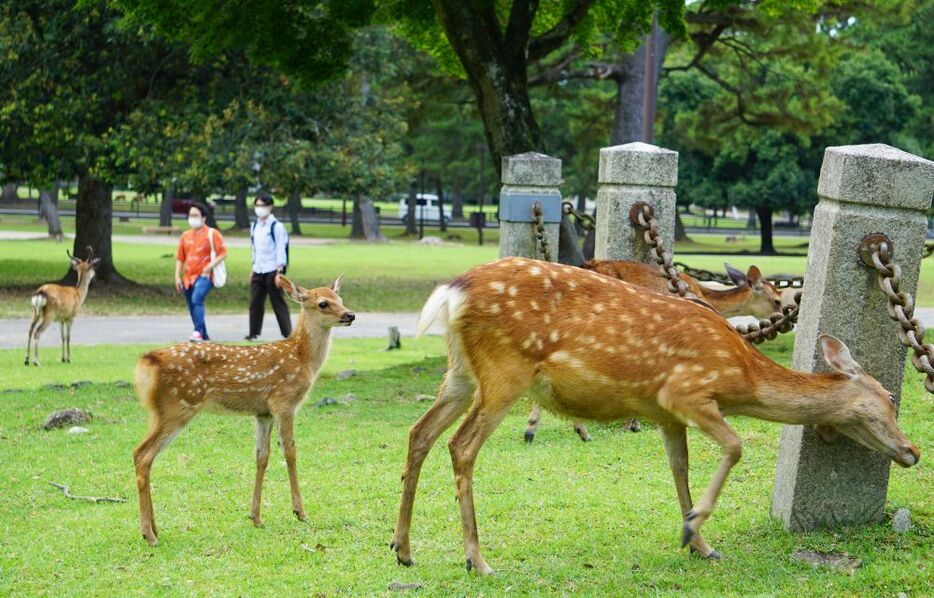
[(61, 327), (581, 431), (68, 340), (495, 397), (453, 399), (32, 332), (263, 435), (35, 339)]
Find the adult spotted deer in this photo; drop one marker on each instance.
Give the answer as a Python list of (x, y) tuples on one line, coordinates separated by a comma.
[(267, 381), (592, 347), (753, 295), (56, 303)]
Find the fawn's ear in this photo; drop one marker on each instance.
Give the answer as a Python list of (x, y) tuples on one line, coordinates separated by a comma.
[(737, 276), (753, 276), (837, 355), (336, 285), (295, 292), (95, 262), (74, 262)]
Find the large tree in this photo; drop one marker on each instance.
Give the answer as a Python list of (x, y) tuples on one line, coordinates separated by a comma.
[(70, 75)]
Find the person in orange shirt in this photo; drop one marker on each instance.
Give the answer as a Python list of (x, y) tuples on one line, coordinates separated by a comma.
[(194, 256)]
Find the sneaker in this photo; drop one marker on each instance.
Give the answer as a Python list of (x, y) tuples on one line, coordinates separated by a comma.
[(195, 337), (251, 338)]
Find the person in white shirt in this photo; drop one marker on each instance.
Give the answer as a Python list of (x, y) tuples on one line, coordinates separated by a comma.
[(270, 243)]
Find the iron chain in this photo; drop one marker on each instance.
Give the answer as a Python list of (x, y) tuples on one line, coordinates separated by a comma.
[(704, 275), (901, 307), (646, 219), (538, 231), (778, 323), (586, 221)]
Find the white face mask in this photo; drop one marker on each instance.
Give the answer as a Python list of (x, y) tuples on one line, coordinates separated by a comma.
[(195, 222), (262, 211)]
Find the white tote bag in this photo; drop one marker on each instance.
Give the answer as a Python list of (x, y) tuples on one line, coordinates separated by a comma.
[(220, 270)]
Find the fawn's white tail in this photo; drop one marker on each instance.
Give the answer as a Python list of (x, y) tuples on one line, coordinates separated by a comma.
[(444, 304)]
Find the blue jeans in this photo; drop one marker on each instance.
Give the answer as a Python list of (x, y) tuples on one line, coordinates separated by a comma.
[(194, 296)]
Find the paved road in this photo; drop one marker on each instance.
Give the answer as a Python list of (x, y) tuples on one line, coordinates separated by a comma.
[(95, 330)]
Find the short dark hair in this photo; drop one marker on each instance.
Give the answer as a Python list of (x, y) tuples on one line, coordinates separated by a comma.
[(200, 207), (263, 198)]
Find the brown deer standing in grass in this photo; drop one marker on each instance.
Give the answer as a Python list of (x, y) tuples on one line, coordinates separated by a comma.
[(267, 381), (56, 303), (753, 295), (592, 347)]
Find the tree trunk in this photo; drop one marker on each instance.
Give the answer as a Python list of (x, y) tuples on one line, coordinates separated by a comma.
[(633, 103), (241, 213), (442, 225), (680, 233), (764, 213), (10, 192), (93, 226), (365, 221), (48, 198), (293, 205), (411, 203), (497, 70), (457, 200), (569, 250), (165, 208)]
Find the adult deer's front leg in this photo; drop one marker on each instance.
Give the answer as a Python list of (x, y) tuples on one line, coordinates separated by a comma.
[(453, 399), (61, 327), (68, 340), (676, 447), (286, 433), (263, 434), (704, 412)]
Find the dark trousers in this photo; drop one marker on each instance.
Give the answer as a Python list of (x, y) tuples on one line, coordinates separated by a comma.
[(260, 286)]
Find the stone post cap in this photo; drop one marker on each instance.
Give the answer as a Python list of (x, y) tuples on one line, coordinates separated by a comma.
[(531, 169), (638, 164), (876, 174)]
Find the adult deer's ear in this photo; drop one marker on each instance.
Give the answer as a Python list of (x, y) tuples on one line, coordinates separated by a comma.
[(95, 262), (294, 292), (837, 355), (737, 276), (754, 277), (336, 285)]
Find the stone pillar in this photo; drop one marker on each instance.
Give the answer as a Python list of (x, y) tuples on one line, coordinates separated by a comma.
[(863, 189), (529, 178), (632, 173)]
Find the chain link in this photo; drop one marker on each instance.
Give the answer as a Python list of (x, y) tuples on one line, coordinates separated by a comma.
[(778, 323), (645, 217), (586, 221), (538, 231), (901, 307), (705, 275)]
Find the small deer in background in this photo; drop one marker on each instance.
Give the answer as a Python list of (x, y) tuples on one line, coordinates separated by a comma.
[(592, 347), (56, 303), (753, 295), (268, 382)]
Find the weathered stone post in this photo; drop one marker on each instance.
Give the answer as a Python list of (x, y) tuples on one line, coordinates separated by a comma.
[(863, 189), (529, 178), (628, 174)]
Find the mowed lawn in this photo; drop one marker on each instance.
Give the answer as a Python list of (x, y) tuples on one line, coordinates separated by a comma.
[(395, 276), (556, 516)]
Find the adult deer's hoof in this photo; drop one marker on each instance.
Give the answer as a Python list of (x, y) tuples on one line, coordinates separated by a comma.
[(405, 561), (529, 436), (479, 566), (300, 514), (714, 556)]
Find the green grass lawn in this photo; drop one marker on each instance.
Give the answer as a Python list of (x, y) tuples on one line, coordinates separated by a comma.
[(557, 516), (397, 276)]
